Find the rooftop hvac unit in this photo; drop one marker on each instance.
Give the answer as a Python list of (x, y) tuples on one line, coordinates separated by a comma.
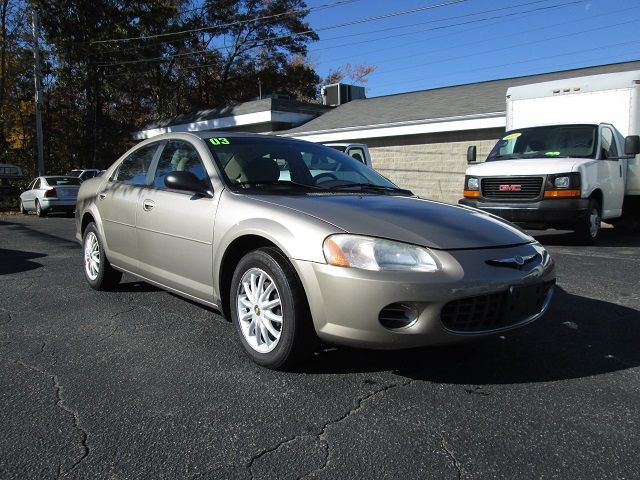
[(339, 93)]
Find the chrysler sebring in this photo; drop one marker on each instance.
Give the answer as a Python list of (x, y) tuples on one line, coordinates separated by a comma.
[(294, 242)]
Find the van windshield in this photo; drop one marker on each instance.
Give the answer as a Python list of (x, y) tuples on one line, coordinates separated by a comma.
[(547, 142)]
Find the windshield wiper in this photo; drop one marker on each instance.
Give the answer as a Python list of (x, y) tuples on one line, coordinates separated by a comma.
[(371, 187), (277, 182)]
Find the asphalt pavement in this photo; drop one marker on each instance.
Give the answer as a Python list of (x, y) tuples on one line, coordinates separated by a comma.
[(139, 383)]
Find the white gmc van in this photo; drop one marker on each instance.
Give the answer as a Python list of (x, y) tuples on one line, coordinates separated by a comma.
[(569, 157)]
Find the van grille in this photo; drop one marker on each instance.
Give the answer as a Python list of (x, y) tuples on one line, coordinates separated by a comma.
[(511, 187)]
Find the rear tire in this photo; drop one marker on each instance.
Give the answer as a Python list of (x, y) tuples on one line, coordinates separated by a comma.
[(269, 310), (588, 229), (98, 272), (39, 211)]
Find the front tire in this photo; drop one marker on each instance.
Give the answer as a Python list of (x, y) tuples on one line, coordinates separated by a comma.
[(588, 230), (269, 310), (98, 272), (39, 211)]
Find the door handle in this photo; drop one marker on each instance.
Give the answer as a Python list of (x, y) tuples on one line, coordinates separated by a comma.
[(102, 196), (147, 205)]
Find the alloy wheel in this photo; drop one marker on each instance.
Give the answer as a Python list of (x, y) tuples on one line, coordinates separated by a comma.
[(259, 310), (91, 256)]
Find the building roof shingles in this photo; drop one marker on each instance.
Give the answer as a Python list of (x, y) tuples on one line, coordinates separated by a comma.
[(455, 101)]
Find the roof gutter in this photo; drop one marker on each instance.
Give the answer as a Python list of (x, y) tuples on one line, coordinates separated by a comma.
[(411, 127)]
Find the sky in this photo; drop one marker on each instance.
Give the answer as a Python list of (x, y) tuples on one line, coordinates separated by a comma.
[(453, 42)]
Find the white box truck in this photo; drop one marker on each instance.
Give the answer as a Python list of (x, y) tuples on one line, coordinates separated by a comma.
[(569, 158)]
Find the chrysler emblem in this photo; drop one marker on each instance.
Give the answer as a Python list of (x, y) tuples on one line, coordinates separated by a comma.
[(516, 261)]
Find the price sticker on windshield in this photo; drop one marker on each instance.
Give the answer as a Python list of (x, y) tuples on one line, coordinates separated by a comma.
[(511, 136), (219, 141)]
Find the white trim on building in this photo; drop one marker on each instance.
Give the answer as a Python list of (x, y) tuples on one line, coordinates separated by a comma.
[(414, 127), (270, 116)]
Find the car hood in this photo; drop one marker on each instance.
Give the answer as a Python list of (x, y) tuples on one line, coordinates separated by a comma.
[(529, 166), (406, 219)]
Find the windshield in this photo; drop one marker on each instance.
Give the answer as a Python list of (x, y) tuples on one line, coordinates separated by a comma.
[(61, 181), (74, 173), (547, 142), (281, 165)]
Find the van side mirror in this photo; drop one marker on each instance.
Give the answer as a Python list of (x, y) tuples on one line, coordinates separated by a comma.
[(632, 145), (471, 154)]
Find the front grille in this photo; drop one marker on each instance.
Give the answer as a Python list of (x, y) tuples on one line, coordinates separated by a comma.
[(518, 188), (496, 310)]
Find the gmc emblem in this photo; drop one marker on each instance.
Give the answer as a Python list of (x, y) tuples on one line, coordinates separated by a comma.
[(510, 188)]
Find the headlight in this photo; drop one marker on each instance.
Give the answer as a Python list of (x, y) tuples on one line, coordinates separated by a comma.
[(563, 180), (370, 253), (562, 185), (473, 183)]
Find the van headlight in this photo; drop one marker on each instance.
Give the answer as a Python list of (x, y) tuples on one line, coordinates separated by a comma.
[(473, 183), (369, 253)]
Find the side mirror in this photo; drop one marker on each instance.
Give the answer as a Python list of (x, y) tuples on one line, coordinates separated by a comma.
[(471, 154), (188, 182), (632, 145)]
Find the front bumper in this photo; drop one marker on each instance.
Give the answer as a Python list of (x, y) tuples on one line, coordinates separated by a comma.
[(346, 303), (547, 212)]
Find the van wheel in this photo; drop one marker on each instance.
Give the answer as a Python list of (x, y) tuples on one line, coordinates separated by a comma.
[(588, 230), (269, 310)]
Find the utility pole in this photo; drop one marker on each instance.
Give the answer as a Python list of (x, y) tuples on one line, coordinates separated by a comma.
[(35, 24)]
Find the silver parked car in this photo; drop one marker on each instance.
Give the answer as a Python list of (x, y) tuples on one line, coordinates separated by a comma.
[(50, 194), (295, 242)]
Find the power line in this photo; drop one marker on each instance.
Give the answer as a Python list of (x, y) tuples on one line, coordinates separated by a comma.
[(455, 17), (491, 67), (508, 47), (198, 66), (469, 22), (383, 29), (354, 22), (230, 24)]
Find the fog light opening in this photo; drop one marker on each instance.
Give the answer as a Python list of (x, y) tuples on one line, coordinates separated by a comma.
[(398, 315)]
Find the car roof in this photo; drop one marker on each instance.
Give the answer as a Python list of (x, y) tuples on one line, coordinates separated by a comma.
[(209, 134)]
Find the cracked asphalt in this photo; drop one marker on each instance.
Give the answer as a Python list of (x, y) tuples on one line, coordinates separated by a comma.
[(140, 383)]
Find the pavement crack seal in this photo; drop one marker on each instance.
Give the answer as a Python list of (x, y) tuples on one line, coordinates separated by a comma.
[(477, 390), (9, 316), (75, 418), (322, 433), (445, 446), (115, 326)]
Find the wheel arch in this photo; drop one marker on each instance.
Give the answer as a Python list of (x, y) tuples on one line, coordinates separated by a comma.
[(87, 218), (598, 195), (232, 255)]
